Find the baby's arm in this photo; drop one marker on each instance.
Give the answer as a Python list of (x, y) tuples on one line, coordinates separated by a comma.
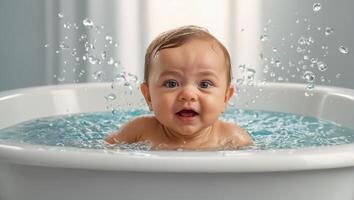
[(131, 131)]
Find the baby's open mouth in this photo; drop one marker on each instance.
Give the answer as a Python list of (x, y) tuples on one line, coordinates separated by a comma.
[(187, 113)]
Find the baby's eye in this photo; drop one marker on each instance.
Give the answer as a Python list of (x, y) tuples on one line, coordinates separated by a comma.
[(171, 83), (205, 84)]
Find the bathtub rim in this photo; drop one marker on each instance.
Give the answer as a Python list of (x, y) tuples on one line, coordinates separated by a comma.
[(211, 162), (241, 161)]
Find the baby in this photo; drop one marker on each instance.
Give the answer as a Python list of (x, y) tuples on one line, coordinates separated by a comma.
[(187, 84)]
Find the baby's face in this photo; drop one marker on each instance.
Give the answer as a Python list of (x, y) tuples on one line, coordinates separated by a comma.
[(187, 87)]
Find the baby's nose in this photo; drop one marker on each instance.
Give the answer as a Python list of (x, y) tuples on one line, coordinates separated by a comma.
[(188, 94)]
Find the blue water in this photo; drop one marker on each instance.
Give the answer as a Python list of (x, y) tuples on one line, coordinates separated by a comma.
[(269, 130)]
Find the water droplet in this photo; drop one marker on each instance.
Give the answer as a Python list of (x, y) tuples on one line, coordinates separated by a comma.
[(301, 40), (300, 50), (132, 78), (297, 21), (104, 55), (309, 76), (306, 57), (274, 49), (328, 31), (64, 46), (110, 97), (83, 37), (310, 86), (110, 61), (46, 45), (109, 39), (316, 7), (61, 78), (93, 60), (322, 66), (74, 52), (242, 67), (88, 22), (338, 75), (264, 38), (266, 69), (250, 74), (98, 75), (60, 15), (277, 63), (314, 60), (343, 49)]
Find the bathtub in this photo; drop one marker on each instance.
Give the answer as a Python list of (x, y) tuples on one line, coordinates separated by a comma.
[(30, 172)]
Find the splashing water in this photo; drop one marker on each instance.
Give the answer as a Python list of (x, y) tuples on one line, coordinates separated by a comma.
[(269, 130)]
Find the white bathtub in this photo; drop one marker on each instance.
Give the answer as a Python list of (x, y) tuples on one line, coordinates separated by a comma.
[(29, 172)]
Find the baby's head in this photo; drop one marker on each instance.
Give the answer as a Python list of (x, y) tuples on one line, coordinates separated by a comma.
[(177, 37), (187, 79)]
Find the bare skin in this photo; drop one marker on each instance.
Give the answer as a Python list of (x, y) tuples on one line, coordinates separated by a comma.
[(188, 91), (220, 135)]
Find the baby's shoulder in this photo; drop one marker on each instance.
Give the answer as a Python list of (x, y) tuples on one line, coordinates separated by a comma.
[(234, 133), (142, 123)]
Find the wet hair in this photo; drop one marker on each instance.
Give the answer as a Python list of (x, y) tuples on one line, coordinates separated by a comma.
[(177, 37)]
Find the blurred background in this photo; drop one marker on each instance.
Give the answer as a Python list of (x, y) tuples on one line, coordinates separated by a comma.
[(47, 42)]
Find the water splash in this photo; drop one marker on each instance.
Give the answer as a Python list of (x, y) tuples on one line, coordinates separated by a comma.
[(343, 49), (328, 31), (316, 7), (88, 23)]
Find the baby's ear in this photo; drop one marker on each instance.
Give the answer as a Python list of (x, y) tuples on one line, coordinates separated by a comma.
[(144, 88), (229, 93)]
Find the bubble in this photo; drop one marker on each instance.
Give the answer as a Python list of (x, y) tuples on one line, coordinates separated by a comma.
[(264, 38), (338, 75), (60, 15), (277, 63), (322, 66), (110, 97), (328, 30), (316, 7), (46, 45), (343, 49), (88, 22), (309, 76), (297, 21)]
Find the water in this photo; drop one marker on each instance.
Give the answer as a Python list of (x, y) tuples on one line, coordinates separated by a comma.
[(269, 130)]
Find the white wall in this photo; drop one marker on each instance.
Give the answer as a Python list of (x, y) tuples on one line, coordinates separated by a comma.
[(27, 26)]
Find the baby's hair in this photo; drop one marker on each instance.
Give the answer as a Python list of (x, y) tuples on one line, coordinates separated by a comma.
[(177, 37)]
